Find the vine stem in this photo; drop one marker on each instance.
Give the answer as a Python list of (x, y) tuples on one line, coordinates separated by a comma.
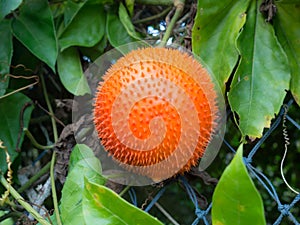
[(53, 188), (286, 143), (179, 5), (50, 109), (22, 202), (151, 18), (124, 190), (155, 2), (35, 177), (34, 141)]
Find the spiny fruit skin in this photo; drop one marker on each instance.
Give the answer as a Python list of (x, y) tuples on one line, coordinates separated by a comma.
[(155, 103)]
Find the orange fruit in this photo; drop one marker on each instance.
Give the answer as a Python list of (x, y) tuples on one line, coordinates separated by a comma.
[(155, 112)]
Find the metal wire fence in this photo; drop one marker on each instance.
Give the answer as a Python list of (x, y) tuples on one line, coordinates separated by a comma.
[(266, 184)]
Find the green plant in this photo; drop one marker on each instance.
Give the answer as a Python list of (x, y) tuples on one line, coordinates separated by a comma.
[(252, 50)]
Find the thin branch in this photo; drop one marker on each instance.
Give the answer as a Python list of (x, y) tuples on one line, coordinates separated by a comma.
[(50, 109), (163, 211), (54, 195), (179, 4), (41, 172), (154, 17), (124, 190), (155, 2), (22, 88), (34, 141), (22, 202)]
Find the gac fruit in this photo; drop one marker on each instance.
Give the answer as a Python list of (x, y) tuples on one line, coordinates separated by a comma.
[(155, 111)]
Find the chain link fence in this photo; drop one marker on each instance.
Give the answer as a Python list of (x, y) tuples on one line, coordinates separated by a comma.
[(281, 200)]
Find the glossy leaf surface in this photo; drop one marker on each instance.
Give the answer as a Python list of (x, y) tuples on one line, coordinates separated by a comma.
[(71, 10), (5, 54), (258, 87), (70, 72), (115, 31), (235, 199), (84, 31), (287, 24), (34, 28), (10, 109), (103, 206), (126, 21), (217, 26), (7, 6), (83, 164)]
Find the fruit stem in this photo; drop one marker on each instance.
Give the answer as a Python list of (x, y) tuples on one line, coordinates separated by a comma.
[(179, 5)]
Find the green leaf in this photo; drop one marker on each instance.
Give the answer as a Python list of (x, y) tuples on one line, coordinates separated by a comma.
[(235, 199), (287, 23), (10, 109), (126, 21), (83, 165), (23, 63), (71, 10), (82, 152), (7, 6), (84, 31), (8, 221), (259, 84), (130, 6), (103, 206), (34, 27), (214, 34), (70, 72), (116, 32), (5, 54), (96, 51)]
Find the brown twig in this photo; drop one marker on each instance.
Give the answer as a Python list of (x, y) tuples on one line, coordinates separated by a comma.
[(22, 88)]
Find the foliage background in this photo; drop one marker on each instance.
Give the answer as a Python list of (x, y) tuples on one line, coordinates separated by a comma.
[(252, 49)]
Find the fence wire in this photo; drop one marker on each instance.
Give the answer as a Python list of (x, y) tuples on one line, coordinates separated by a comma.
[(202, 216)]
